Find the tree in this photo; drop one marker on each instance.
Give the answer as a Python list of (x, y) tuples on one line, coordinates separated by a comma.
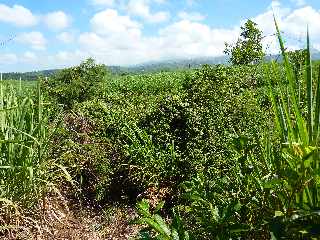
[(248, 48)]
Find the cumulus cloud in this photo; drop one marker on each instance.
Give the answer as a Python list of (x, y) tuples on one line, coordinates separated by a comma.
[(67, 58), (111, 33), (110, 23), (35, 40), (191, 2), (297, 21), (57, 20), (17, 15), (141, 9), (160, 1), (190, 39), (293, 25), (117, 39)]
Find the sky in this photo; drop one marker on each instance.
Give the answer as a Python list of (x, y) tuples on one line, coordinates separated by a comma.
[(48, 34)]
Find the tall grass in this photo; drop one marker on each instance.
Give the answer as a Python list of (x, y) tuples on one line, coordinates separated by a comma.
[(299, 130), (23, 144)]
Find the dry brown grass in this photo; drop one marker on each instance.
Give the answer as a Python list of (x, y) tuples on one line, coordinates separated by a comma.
[(59, 218)]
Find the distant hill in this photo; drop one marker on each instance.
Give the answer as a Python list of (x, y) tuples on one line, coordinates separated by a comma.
[(140, 68), (176, 64), (169, 65)]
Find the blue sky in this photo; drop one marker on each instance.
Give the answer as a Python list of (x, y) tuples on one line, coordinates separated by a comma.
[(58, 33)]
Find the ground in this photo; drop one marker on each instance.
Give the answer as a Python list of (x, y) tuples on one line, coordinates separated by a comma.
[(60, 218)]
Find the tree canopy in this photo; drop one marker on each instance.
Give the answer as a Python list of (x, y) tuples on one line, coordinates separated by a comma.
[(248, 48)]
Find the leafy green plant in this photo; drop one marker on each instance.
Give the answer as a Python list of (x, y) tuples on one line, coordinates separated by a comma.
[(77, 84), (298, 171), (149, 164), (159, 228), (214, 215)]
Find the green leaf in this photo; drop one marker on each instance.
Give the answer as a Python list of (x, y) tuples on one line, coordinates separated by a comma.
[(309, 89), (302, 130), (278, 214), (143, 208), (159, 207), (162, 224)]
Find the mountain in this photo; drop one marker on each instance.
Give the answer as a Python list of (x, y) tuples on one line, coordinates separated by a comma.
[(139, 68), (177, 64), (154, 66)]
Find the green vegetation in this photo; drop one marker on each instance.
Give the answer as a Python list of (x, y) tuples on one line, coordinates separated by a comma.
[(219, 152), (248, 48), (76, 84), (23, 144)]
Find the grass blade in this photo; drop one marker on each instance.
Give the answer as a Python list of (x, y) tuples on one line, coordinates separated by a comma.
[(302, 130), (309, 89)]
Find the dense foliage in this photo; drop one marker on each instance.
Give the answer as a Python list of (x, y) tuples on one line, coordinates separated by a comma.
[(248, 49), (220, 152), (23, 143), (77, 84)]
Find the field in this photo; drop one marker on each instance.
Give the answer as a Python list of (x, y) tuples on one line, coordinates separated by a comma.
[(219, 152)]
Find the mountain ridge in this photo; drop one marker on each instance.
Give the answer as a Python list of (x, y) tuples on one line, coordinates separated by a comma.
[(151, 66)]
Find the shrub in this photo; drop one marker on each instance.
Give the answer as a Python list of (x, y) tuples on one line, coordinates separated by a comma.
[(217, 124), (77, 84)]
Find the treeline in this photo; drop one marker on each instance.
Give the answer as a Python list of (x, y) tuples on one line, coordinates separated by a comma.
[(29, 76)]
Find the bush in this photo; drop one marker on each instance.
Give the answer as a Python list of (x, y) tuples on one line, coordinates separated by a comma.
[(219, 105), (216, 125), (77, 84)]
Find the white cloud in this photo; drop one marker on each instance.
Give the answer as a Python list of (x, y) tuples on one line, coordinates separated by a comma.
[(296, 22), (17, 15), (110, 23), (112, 34), (191, 16), (57, 20), (191, 39), (34, 39), (141, 8), (64, 59), (103, 2), (293, 24), (118, 39), (69, 57), (317, 46), (66, 37)]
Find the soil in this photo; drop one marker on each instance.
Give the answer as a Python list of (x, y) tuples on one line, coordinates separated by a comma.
[(59, 218)]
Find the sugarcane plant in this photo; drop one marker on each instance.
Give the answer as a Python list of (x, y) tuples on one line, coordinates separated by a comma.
[(23, 143), (298, 179)]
